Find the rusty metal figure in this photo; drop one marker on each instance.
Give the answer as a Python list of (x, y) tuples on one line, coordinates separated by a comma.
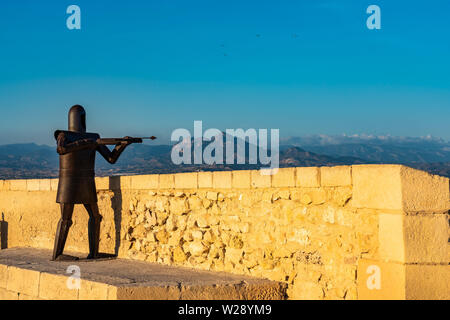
[(77, 149)]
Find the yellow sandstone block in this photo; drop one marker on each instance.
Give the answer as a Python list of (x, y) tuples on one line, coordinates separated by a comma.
[(166, 181), (145, 182), (171, 292), (398, 187), (260, 180), (27, 297), (33, 185), (23, 281), (336, 176), (414, 239), (422, 191), (391, 237), (222, 179), (205, 179), (3, 275), (378, 280), (377, 187), (112, 293), (45, 185), (427, 282), (426, 238), (306, 290), (308, 177), (394, 281), (125, 182), (54, 184), (8, 295), (285, 177), (91, 290), (54, 287), (18, 185), (102, 183), (5, 185), (186, 180), (119, 183), (241, 179)]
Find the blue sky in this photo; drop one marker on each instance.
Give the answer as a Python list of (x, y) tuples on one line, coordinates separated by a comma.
[(148, 67)]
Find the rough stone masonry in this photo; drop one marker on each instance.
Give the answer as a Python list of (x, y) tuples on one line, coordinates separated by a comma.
[(317, 229)]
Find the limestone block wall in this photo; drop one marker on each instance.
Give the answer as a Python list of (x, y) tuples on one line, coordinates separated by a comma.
[(346, 232)]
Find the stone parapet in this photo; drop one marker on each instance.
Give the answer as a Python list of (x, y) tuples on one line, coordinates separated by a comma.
[(316, 229), (28, 274)]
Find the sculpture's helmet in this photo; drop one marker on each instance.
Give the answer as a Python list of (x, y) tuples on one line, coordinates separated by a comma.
[(77, 119)]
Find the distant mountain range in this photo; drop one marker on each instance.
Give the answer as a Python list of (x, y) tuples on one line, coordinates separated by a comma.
[(425, 153), (19, 161), (383, 149)]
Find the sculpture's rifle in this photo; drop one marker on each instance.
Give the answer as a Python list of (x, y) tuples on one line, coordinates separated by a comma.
[(114, 141)]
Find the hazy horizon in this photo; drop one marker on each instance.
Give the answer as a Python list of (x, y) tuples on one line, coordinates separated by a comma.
[(313, 139), (147, 68)]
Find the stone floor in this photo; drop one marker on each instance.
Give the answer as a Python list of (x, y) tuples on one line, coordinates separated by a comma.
[(125, 279)]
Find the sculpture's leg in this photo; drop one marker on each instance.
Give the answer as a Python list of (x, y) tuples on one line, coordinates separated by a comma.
[(62, 231), (93, 229)]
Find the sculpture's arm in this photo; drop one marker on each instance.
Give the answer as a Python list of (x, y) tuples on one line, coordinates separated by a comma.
[(63, 147), (112, 156)]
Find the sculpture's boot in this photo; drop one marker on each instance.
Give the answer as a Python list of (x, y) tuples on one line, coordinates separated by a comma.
[(93, 230), (94, 237), (60, 240), (61, 233)]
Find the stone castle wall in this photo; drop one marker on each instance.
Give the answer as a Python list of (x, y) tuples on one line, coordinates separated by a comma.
[(346, 232)]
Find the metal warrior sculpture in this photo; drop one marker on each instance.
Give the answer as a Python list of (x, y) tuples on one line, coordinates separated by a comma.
[(77, 149)]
